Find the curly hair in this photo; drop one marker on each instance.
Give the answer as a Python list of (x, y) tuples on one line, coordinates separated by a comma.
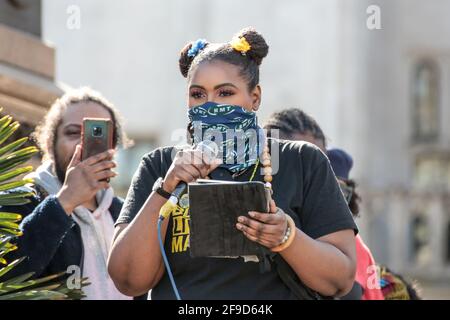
[(45, 132), (292, 121), (248, 63), (355, 198)]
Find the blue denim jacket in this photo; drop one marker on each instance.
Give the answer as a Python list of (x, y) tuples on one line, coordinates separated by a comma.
[(51, 240)]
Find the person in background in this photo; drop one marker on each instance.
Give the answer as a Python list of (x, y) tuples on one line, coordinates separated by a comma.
[(395, 287), (392, 286), (70, 219), (367, 284), (295, 124)]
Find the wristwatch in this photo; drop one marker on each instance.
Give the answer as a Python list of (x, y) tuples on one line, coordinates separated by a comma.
[(158, 188)]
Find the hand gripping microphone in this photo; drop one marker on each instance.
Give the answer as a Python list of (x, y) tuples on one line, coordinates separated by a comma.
[(210, 152)]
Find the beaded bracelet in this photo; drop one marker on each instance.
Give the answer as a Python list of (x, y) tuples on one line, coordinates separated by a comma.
[(289, 236)]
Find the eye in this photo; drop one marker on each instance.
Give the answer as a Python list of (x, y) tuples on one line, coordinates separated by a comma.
[(197, 94), (73, 132), (226, 93)]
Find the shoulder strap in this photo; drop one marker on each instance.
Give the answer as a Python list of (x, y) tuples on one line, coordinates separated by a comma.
[(291, 280)]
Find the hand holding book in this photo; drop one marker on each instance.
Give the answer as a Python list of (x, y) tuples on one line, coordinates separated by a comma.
[(267, 229), (233, 219)]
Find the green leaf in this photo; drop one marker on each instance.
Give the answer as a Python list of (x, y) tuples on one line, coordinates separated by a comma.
[(22, 281), (45, 293), (10, 232), (16, 194), (14, 162), (13, 146), (11, 163), (9, 224), (14, 202), (6, 251), (15, 173), (10, 216), (15, 283), (18, 154), (4, 122), (5, 243), (15, 184), (15, 198), (10, 266), (12, 156), (7, 132)]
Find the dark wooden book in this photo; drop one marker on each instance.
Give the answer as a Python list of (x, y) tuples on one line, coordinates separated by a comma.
[(215, 206)]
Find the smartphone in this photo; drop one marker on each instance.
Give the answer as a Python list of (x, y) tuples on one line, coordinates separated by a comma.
[(96, 136)]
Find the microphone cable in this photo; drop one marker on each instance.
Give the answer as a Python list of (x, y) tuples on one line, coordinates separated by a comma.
[(211, 149), (164, 213)]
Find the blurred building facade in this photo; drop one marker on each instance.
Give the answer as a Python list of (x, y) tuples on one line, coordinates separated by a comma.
[(27, 65), (402, 144), (382, 94)]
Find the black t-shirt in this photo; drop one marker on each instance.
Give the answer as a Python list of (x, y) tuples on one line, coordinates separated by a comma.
[(304, 187)]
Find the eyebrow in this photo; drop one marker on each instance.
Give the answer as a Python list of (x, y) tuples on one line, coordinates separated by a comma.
[(72, 125), (216, 87)]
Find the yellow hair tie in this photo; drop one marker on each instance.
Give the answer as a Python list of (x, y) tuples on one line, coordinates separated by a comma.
[(240, 44)]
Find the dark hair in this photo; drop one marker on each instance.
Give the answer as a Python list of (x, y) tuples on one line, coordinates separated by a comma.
[(248, 62), (397, 287), (45, 133), (292, 121), (355, 199)]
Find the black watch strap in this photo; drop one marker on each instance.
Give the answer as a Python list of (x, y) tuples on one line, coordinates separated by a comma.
[(158, 188)]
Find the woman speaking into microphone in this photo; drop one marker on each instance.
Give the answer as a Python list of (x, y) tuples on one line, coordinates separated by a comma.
[(309, 225)]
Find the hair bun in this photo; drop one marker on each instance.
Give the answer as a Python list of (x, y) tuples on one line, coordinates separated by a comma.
[(258, 46), (188, 53)]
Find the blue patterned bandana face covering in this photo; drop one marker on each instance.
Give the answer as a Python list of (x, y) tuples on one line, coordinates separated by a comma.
[(235, 131)]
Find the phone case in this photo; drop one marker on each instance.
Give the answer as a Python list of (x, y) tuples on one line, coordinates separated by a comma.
[(96, 136), (214, 208)]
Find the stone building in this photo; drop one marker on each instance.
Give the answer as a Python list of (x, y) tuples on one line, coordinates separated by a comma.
[(27, 64)]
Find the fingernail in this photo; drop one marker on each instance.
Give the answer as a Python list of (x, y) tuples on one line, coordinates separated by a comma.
[(239, 226), (251, 213), (241, 219)]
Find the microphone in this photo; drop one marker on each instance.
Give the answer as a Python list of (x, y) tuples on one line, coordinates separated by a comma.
[(210, 151)]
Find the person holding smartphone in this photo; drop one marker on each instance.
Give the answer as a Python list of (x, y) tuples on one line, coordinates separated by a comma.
[(68, 225)]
